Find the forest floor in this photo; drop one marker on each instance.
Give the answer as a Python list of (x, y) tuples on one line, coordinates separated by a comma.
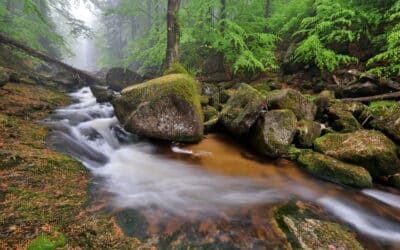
[(44, 194)]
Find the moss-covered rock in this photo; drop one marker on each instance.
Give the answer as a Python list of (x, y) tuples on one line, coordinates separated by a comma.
[(394, 180), (334, 170), (165, 108), (307, 132), (343, 115), (274, 132), (306, 230), (242, 109), (323, 101), (386, 118), (204, 100), (293, 100), (367, 148)]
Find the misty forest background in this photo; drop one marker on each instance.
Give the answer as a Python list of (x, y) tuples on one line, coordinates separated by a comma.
[(241, 38)]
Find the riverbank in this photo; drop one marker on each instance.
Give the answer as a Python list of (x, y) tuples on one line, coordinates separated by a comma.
[(44, 194)]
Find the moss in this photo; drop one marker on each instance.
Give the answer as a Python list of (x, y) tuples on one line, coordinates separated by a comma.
[(367, 148), (379, 105), (334, 170), (176, 68), (263, 88), (43, 242), (204, 100)]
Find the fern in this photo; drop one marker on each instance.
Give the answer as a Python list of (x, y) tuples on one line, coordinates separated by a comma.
[(311, 50)]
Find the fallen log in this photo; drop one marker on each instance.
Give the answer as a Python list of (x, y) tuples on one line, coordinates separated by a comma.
[(393, 95), (89, 79)]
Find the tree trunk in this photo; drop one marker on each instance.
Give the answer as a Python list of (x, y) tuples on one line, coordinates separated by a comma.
[(84, 75), (173, 34), (393, 95)]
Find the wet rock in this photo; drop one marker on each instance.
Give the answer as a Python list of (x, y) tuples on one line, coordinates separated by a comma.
[(394, 180), (334, 170), (367, 148), (274, 132), (102, 93), (306, 230), (293, 100), (120, 78), (165, 108), (242, 109), (307, 132)]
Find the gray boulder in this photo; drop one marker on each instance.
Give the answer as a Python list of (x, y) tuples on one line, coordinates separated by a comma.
[(274, 132), (166, 108), (119, 78)]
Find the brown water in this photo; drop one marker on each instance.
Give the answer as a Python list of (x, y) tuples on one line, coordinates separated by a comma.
[(216, 192)]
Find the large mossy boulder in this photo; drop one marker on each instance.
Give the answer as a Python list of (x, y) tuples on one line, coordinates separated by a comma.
[(293, 100), (242, 109), (305, 229), (274, 132), (165, 108), (120, 78), (367, 148), (307, 132), (334, 170)]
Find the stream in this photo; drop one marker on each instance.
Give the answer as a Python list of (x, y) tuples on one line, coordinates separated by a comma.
[(215, 182)]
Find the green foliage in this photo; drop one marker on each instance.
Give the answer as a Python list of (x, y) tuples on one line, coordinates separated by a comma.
[(312, 50), (378, 105), (387, 63)]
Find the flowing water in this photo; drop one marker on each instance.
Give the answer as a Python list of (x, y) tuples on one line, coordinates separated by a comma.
[(215, 181)]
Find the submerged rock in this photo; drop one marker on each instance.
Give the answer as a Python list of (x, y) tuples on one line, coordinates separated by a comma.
[(274, 132), (293, 100), (307, 132), (367, 148), (165, 108), (120, 78), (102, 93), (242, 109), (334, 170), (306, 230)]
